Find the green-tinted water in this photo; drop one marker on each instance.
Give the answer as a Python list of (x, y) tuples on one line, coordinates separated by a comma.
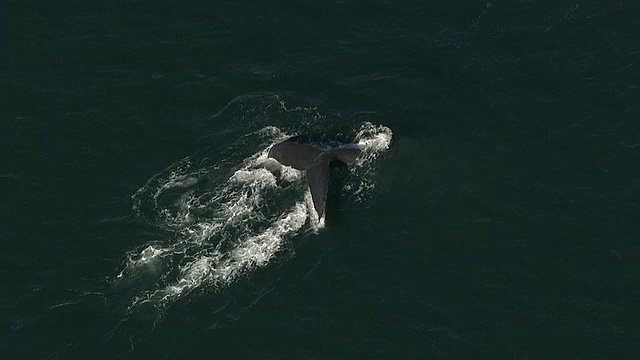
[(139, 220)]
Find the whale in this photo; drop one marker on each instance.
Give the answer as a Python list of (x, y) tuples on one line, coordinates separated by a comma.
[(316, 163)]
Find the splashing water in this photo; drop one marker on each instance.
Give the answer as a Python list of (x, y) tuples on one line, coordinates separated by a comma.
[(223, 231)]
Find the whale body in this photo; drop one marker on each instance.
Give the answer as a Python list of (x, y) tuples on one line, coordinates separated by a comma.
[(316, 164)]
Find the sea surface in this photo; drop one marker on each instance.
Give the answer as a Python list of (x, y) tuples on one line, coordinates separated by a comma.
[(494, 212)]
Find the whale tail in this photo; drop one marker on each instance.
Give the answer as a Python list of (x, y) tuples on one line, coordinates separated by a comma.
[(316, 163)]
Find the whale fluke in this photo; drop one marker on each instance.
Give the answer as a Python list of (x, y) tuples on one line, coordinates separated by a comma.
[(316, 163)]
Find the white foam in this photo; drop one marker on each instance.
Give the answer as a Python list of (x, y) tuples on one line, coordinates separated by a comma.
[(374, 138), (257, 178), (259, 249), (242, 228), (219, 270), (148, 261)]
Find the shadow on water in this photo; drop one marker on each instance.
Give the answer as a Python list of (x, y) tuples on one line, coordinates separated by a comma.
[(337, 179)]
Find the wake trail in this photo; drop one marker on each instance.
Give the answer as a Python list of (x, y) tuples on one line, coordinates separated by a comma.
[(223, 229)]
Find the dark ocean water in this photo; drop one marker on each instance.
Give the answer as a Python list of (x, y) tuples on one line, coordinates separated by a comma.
[(494, 215)]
